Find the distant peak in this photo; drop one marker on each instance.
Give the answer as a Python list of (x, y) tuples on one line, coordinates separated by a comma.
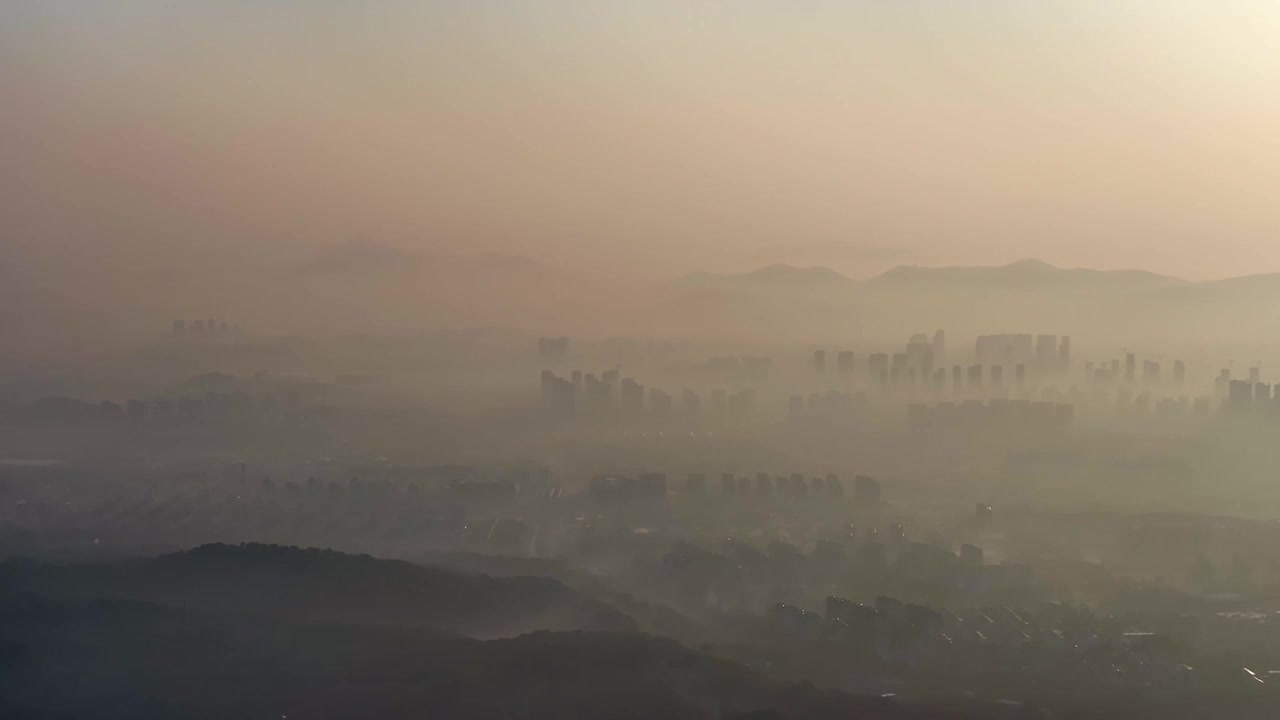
[(1030, 264), (782, 270)]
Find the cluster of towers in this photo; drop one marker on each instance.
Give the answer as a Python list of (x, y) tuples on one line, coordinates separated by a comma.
[(996, 414), (1110, 372), (1252, 396), (608, 395), (211, 405), (205, 328), (1048, 354), (866, 490), (918, 359)]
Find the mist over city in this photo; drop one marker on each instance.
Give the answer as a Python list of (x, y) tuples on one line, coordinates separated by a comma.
[(723, 361)]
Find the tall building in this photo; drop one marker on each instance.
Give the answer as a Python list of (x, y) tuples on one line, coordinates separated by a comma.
[(659, 405), (866, 490), (1046, 352), (939, 345), (1064, 353), (597, 395), (795, 407), (632, 398), (1151, 371), (1222, 384), (1004, 348), (179, 327), (820, 360), (877, 363), (691, 402), (1130, 367), (1179, 371), (918, 346), (975, 377), (553, 348), (1239, 395), (1262, 395), (558, 397), (844, 362)]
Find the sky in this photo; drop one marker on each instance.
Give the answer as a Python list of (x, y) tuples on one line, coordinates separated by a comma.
[(653, 138)]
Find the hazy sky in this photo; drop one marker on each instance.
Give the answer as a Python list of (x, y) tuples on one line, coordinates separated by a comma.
[(660, 136)]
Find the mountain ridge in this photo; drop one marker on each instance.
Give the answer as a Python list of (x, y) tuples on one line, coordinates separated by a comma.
[(1027, 269)]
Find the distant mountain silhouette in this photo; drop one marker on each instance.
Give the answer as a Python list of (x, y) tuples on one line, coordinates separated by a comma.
[(855, 259), (330, 586), (776, 277), (786, 302), (1025, 274)]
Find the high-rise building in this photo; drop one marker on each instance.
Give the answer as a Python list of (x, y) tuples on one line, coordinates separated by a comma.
[(975, 377), (917, 347), (997, 376), (820, 360), (553, 348), (1046, 352), (597, 395), (866, 490), (1261, 395), (844, 362), (1239, 395), (939, 345), (1151, 371), (1179, 371), (1222, 384), (179, 327), (1130, 367), (691, 402), (1064, 353), (877, 363), (631, 399), (558, 395)]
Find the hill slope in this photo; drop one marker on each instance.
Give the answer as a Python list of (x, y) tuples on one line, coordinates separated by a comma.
[(330, 586)]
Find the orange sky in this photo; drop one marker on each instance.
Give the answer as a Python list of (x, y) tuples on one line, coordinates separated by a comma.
[(653, 137)]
